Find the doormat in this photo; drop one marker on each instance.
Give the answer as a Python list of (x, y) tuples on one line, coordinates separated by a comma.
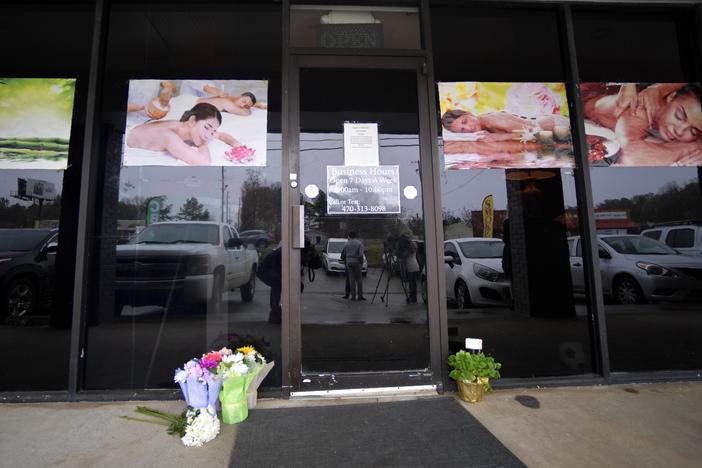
[(418, 433)]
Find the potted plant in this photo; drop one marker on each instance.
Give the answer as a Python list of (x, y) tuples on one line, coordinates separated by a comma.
[(472, 373)]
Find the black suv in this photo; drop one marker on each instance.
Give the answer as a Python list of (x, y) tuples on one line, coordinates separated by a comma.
[(27, 259)]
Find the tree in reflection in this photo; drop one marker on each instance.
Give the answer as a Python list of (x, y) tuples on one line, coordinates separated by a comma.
[(193, 210), (135, 208), (18, 215), (672, 203), (260, 205)]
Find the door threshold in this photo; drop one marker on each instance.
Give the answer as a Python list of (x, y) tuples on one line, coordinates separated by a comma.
[(414, 390)]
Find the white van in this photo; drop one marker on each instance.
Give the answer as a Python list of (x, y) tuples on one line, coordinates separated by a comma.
[(685, 238)]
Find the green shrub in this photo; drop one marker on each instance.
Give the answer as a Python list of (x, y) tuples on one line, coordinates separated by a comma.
[(474, 367)]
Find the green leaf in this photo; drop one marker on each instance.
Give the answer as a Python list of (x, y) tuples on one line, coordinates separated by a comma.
[(473, 367)]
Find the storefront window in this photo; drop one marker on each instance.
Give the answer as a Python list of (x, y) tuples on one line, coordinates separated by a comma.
[(508, 193), (646, 188), (42, 101), (191, 160)]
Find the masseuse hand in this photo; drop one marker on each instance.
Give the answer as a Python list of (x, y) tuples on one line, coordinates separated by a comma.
[(626, 99)]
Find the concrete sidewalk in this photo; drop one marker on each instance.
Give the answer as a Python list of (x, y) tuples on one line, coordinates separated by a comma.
[(647, 425)]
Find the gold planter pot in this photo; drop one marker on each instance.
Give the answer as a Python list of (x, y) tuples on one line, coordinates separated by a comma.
[(471, 392)]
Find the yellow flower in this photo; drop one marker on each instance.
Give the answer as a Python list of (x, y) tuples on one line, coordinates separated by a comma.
[(246, 349)]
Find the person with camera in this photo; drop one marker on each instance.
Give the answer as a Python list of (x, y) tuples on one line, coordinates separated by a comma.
[(407, 253)]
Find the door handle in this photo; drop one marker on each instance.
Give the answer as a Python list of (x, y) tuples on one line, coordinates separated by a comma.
[(298, 226)]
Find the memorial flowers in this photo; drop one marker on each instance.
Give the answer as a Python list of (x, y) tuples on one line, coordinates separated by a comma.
[(238, 370), (201, 427), (223, 379), (195, 427), (199, 381)]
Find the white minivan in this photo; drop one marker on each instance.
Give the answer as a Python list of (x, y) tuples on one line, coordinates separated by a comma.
[(685, 238)]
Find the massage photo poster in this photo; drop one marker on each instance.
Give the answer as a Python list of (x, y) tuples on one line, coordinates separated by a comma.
[(505, 125), (196, 123), (35, 122), (526, 125), (643, 124)]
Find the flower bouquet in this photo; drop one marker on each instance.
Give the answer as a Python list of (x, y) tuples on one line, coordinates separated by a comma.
[(199, 380), (238, 370), (195, 427)]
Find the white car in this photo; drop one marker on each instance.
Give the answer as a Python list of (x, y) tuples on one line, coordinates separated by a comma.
[(474, 274), (331, 257), (636, 269)]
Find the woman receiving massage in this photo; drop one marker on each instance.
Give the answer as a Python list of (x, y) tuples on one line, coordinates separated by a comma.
[(497, 134), (185, 139), (660, 125)]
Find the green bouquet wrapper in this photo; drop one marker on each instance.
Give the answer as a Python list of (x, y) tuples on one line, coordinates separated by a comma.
[(235, 407)]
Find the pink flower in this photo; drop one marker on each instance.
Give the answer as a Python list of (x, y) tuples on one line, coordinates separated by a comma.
[(208, 363), (239, 153), (214, 355)]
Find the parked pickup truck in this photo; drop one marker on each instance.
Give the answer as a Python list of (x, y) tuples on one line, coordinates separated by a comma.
[(184, 262)]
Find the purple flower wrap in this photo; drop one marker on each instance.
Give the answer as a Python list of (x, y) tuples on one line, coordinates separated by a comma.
[(213, 389), (184, 389), (197, 393)]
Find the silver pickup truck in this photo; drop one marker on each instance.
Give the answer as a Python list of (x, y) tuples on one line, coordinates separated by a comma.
[(184, 262)]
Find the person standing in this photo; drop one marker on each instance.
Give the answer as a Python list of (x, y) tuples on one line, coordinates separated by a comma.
[(353, 252), (409, 256), (270, 273)]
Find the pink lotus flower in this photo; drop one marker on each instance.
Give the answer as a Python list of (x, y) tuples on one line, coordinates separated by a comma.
[(240, 154)]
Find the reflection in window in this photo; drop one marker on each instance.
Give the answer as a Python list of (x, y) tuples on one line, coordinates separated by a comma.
[(652, 278), (188, 233), (38, 203), (518, 282), (172, 279)]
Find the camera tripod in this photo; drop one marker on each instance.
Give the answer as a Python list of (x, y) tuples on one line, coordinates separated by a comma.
[(392, 267)]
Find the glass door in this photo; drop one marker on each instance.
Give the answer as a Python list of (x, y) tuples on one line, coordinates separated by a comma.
[(359, 137)]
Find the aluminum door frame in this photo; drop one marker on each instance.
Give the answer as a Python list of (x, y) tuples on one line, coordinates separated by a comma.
[(293, 376)]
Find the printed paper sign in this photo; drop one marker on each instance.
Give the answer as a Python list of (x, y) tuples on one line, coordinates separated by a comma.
[(505, 125), (196, 122), (361, 144), (35, 122), (363, 189), (474, 343)]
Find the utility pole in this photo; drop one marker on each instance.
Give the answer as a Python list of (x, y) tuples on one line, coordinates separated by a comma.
[(227, 210), (221, 204)]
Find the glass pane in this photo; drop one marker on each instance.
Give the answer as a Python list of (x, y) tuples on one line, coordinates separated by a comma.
[(381, 324), (620, 46), (349, 27), (172, 283), (517, 287), (39, 186), (511, 278), (652, 292), (518, 39)]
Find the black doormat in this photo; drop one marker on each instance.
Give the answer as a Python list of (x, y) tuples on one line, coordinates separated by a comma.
[(418, 433)]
